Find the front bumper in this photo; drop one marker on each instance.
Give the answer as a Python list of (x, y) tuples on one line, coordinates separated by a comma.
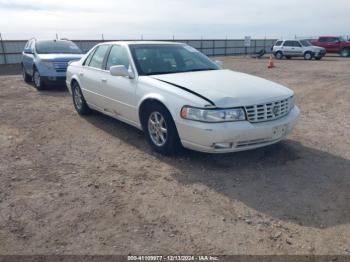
[(58, 80), (236, 136), (320, 54)]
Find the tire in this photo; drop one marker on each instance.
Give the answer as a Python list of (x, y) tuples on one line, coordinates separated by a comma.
[(79, 101), (279, 55), (345, 52), (25, 76), (38, 82), (308, 56), (160, 129)]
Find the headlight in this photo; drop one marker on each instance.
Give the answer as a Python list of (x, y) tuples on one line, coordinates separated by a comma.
[(213, 115), (291, 102), (48, 64)]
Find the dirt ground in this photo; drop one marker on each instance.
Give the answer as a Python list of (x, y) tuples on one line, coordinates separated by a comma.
[(91, 185)]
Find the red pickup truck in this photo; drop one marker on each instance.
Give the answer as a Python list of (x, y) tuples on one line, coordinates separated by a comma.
[(334, 44)]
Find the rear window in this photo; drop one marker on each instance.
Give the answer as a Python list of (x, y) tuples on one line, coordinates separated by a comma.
[(278, 43), (57, 47)]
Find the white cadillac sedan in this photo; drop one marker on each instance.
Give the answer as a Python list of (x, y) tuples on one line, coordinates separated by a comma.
[(178, 96)]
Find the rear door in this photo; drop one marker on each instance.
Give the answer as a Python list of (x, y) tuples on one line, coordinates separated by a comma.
[(91, 76)]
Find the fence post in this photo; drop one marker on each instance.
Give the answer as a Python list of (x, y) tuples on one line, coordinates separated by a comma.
[(213, 47), (3, 49)]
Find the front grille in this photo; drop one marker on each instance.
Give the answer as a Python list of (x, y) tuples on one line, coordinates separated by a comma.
[(268, 111), (60, 66)]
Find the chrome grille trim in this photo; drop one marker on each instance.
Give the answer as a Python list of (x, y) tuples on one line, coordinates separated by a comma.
[(60, 66), (268, 111)]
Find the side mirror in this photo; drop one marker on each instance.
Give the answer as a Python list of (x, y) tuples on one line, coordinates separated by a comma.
[(28, 51), (120, 70), (219, 63)]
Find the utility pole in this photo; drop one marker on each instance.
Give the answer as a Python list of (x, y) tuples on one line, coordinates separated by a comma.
[(3, 49)]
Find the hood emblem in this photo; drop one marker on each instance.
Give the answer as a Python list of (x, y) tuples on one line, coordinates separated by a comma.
[(275, 110)]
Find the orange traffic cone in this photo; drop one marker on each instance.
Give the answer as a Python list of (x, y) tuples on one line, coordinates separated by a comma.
[(270, 64)]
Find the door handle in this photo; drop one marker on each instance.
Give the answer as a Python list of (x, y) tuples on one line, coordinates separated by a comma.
[(103, 79)]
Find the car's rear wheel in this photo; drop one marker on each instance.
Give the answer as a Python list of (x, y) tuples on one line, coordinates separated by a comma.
[(345, 52), (38, 82), (279, 55), (26, 77), (79, 102), (308, 56), (160, 129)]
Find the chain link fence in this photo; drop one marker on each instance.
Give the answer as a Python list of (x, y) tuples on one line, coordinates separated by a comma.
[(11, 50)]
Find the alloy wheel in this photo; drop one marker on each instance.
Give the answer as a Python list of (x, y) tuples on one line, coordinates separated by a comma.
[(78, 98), (37, 78), (157, 129)]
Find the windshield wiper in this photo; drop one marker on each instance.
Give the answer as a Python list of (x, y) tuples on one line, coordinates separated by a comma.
[(184, 71), (200, 69)]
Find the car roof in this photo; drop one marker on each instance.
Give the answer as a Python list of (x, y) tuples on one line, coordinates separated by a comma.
[(142, 42)]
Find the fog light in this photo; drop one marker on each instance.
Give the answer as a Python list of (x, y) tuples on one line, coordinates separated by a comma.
[(222, 145)]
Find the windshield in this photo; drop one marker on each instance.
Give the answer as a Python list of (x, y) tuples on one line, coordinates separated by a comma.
[(305, 43), (342, 39), (152, 59), (57, 47)]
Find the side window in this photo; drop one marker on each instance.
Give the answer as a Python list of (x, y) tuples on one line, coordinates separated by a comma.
[(27, 45), (333, 39), (323, 39), (98, 57), (278, 43), (32, 45), (297, 44), (288, 43), (118, 56), (88, 59)]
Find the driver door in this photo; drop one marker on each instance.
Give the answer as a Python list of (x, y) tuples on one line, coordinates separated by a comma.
[(120, 90)]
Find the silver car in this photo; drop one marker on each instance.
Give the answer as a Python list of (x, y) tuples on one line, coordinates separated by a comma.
[(297, 48)]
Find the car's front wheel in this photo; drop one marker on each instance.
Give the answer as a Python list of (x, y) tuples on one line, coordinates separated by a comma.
[(345, 52), (26, 77), (38, 82), (79, 102), (160, 129), (308, 56)]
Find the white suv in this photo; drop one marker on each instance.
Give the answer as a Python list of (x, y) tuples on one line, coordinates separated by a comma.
[(297, 48)]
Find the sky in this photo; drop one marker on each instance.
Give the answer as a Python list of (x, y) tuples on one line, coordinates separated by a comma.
[(165, 19)]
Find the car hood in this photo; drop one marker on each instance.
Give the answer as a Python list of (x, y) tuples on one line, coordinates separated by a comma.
[(317, 48), (60, 57), (227, 88)]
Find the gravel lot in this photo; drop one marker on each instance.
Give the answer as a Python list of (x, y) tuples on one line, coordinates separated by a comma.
[(73, 185)]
